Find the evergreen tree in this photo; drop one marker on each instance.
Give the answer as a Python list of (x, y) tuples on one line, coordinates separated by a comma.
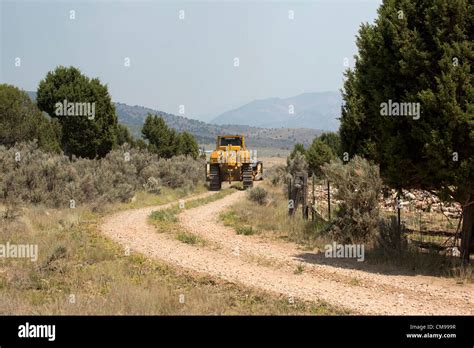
[(332, 140), (298, 148), (165, 141), (187, 145), (123, 136), (21, 120), (83, 134), (318, 154), (417, 52), (156, 131)]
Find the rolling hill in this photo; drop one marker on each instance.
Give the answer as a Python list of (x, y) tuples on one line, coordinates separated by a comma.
[(310, 110), (205, 133), (281, 138)]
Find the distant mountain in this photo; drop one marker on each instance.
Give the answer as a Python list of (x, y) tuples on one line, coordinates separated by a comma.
[(311, 110), (205, 133), (32, 95), (134, 116)]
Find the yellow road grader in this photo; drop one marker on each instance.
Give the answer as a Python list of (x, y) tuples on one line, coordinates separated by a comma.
[(232, 161)]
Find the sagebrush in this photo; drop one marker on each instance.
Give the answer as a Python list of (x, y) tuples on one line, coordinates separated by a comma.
[(358, 187), (30, 175), (258, 194)]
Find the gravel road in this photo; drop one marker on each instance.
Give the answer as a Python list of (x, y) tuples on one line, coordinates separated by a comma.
[(284, 268)]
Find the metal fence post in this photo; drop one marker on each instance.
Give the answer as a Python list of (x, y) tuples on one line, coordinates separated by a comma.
[(313, 206), (399, 207), (329, 202), (290, 209)]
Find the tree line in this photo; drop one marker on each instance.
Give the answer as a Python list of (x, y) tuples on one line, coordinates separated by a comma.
[(323, 149), (74, 114)]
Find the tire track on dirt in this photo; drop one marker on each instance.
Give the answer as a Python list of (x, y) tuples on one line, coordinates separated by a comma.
[(374, 293)]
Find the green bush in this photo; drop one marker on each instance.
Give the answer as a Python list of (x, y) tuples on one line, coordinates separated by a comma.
[(317, 155), (277, 175), (30, 175), (21, 120), (165, 215), (165, 141), (297, 163), (258, 194), (358, 186), (245, 230), (391, 237), (190, 238)]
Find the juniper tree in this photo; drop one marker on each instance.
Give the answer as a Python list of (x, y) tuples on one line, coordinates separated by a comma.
[(21, 120), (82, 135), (318, 154), (165, 141), (332, 140), (298, 148), (418, 52), (187, 145)]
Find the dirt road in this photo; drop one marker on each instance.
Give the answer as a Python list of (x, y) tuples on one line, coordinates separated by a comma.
[(284, 268)]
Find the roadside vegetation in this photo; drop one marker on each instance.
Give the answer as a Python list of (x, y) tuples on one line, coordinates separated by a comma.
[(32, 176), (387, 249), (79, 271), (166, 221), (271, 219), (62, 175), (430, 150)]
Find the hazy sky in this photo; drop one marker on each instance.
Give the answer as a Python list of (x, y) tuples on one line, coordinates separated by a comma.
[(186, 61)]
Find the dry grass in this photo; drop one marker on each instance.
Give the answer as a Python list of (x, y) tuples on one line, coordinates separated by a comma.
[(81, 272), (246, 216), (166, 221), (425, 262), (190, 238)]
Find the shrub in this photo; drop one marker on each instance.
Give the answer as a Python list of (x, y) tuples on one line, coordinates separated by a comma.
[(164, 215), (152, 185), (258, 194), (297, 164), (190, 238), (277, 175), (21, 120), (245, 230), (317, 155), (165, 141), (298, 148), (391, 238), (54, 179), (358, 186)]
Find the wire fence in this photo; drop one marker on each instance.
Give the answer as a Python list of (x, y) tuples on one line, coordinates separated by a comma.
[(426, 226)]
